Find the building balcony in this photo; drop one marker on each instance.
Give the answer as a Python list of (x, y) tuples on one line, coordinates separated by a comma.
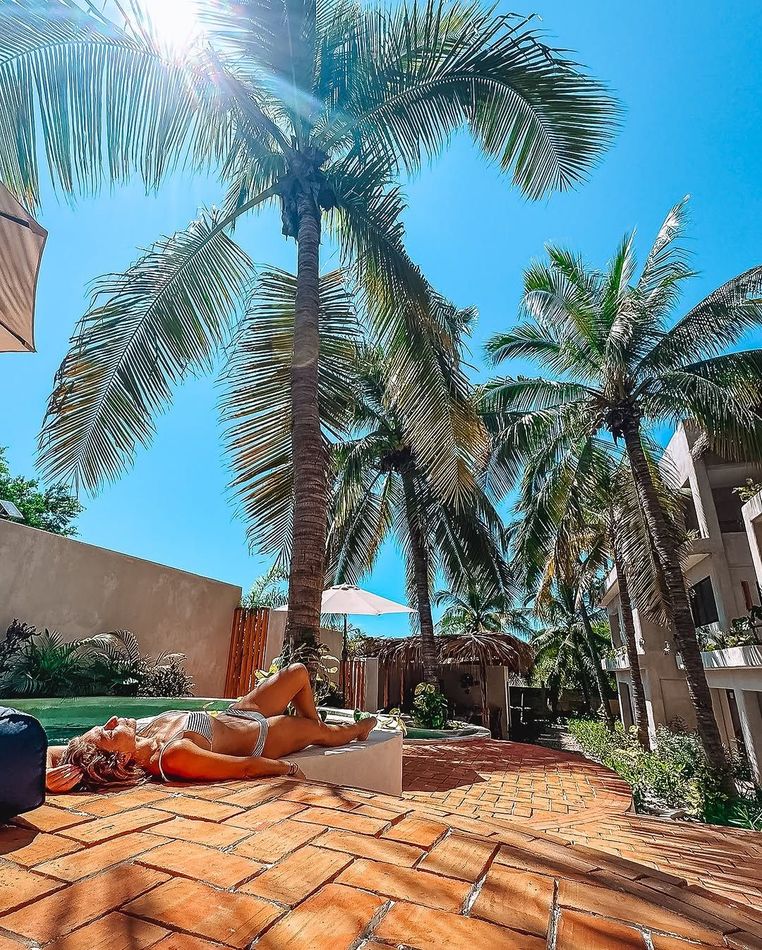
[(616, 661)]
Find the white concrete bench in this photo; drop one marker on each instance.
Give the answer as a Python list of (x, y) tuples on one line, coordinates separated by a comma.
[(375, 764)]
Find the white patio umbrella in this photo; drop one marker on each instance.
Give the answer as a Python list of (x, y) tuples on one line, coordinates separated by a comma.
[(348, 599), (21, 244)]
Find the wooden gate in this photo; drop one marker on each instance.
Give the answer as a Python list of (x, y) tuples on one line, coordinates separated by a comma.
[(354, 683), (248, 641)]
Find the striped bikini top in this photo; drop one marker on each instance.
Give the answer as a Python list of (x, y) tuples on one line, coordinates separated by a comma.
[(199, 723)]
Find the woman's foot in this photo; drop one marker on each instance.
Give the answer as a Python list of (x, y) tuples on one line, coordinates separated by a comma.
[(365, 727)]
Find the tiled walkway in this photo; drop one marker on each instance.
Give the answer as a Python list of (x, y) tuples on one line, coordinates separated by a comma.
[(284, 865), (582, 802)]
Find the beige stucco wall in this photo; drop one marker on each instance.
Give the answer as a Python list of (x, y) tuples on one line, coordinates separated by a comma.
[(79, 590)]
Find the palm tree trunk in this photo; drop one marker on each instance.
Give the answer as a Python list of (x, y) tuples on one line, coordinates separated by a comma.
[(638, 693), (420, 556), (582, 678), (676, 603), (600, 681), (305, 583)]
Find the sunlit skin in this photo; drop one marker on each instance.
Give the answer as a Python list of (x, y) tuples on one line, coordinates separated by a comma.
[(232, 739)]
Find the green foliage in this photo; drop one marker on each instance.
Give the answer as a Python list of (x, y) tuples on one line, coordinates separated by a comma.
[(50, 509), (743, 632), (164, 679), (675, 774), (429, 707), (748, 490), (36, 663), (268, 590)]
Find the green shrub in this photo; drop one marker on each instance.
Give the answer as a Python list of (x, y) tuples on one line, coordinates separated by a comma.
[(429, 707), (674, 775), (34, 663)]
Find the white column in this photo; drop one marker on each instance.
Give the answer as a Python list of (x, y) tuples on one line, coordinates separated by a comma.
[(751, 726)]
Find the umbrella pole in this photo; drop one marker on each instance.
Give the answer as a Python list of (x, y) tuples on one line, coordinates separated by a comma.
[(344, 655)]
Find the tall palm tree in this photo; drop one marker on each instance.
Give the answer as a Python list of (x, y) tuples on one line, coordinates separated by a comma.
[(383, 489), (594, 508), (562, 657), (475, 608), (316, 107), (620, 364)]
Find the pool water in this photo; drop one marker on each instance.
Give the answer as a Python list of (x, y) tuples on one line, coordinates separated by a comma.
[(63, 718)]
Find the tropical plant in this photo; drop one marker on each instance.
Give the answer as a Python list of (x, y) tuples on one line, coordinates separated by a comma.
[(621, 365), (315, 107), (429, 707), (599, 516), (110, 664), (383, 488), (268, 590), (675, 775), (51, 509), (478, 608), (568, 651)]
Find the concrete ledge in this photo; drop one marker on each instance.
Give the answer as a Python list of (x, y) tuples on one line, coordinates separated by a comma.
[(375, 765), (733, 657)]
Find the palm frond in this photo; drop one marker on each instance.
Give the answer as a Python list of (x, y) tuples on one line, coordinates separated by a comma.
[(428, 68), (106, 102), (146, 329), (256, 401)]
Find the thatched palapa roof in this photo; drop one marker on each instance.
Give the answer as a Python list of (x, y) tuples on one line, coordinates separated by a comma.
[(484, 648)]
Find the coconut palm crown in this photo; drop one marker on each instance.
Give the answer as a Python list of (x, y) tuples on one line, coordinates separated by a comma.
[(382, 490), (315, 106), (618, 363)]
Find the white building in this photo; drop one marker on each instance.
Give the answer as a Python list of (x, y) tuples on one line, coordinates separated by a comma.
[(724, 574)]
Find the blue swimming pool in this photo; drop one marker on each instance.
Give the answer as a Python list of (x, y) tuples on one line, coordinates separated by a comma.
[(64, 718)]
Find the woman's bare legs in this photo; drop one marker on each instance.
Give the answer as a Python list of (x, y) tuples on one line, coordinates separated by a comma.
[(289, 685), (289, 734)]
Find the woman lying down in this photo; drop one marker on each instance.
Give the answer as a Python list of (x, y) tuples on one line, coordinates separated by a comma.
[(251, 739)]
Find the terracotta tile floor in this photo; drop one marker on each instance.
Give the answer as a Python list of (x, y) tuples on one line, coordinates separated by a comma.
[(583, 803), (279, 864)]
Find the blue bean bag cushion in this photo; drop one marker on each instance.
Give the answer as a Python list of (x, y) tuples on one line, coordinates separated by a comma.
[(23, 754)]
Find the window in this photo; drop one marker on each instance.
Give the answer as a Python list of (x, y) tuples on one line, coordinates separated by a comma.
[(703, 604), (728, 506)]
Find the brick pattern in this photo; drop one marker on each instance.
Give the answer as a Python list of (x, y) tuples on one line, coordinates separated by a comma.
[(582, 802), (283, 865)]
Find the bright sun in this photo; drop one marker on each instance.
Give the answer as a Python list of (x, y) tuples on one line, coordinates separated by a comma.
[(175, 20)]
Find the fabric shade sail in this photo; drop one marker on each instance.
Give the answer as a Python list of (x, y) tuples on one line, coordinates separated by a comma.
[(21, 244)]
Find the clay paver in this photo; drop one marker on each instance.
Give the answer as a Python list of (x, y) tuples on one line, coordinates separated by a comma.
[(231, 918), (287, 865)]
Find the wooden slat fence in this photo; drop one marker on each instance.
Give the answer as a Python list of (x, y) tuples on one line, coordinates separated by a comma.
[(248, 640), (354, 683)]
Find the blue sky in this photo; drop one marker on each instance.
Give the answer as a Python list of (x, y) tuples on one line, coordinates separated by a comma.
[(687, 72)]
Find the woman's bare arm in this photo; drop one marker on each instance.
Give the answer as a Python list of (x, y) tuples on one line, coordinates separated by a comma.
[(184, 759)]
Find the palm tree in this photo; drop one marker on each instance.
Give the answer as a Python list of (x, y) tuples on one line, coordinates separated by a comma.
[(316, 107), (383, 489), (478, 608), (621, 365), (598, 514), (562, 658)]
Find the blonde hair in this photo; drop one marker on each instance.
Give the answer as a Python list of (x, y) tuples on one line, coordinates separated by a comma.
[(100, 768)]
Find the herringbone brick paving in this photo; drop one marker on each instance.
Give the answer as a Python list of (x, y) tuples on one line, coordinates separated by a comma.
[(283, 864), (582, 802)]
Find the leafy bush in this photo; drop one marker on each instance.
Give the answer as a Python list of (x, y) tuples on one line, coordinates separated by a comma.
[(34, 663), (674, 775), (429, 707), (165, 679)]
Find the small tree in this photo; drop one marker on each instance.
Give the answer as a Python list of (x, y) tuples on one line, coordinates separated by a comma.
[(51, 509)]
